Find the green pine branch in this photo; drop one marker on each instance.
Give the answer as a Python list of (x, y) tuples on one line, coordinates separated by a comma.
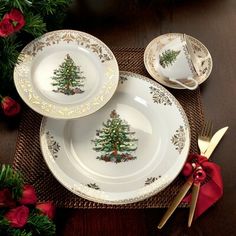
[(4, 224), (10, 178), (41, 225), (9, 51), (2, 9), (50, 7), (34, 24), (19, 4), (9, 47), (18, 232)]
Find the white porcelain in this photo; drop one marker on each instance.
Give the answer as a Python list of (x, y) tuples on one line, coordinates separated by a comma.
[(195, 60), (159, 136), (175, 63), (38, 61), (201, 60)]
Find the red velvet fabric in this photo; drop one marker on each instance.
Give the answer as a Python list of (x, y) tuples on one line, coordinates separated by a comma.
[(211, 189)]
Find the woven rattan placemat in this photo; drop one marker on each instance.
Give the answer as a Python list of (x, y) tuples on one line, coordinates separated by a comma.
[(29, 160)]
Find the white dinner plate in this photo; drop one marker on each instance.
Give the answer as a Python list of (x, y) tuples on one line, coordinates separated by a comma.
[(151, 59), (128, 150), (66, 74)]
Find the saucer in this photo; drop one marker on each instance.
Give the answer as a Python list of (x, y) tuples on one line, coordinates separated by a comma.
[(151, 57), (66, 74)]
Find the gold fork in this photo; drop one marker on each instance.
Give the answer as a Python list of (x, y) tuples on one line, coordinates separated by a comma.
[(204, 139)]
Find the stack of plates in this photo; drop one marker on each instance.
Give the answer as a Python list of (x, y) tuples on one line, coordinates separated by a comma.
[(107, 136)]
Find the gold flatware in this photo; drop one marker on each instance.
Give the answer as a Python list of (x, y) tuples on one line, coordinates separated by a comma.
[(204, 139), (184, 189), (203, 142)]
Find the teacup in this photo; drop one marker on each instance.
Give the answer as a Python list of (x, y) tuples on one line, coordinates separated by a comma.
[(178, 63)]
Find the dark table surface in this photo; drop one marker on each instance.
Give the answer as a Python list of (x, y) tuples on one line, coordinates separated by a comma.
[(134, 24)]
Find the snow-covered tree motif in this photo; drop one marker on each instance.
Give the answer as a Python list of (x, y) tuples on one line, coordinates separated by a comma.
[(115, 141)]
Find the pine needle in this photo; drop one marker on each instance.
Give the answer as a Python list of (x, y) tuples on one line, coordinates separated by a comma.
[(41, 225), (34, 25), (11, 179), (50, 7)]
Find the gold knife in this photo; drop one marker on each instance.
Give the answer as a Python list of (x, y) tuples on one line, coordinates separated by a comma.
[(184, 189), (214, 141)]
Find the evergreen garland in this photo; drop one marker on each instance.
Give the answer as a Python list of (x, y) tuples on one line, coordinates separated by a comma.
[(12, 180), (40, 16), (41, 225), (36, 224)]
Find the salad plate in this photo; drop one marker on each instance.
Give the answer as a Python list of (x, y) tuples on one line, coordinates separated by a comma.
[(151, 59), (130, 149), (66, 74)]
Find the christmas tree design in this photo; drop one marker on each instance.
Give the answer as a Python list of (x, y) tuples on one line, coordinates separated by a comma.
[(168, 57), (115, 141), (68, 78)]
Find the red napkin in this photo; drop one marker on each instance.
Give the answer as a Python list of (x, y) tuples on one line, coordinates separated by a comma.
[(211, 189)]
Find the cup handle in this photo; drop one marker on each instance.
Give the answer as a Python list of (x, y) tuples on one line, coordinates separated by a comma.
[(195, 85)]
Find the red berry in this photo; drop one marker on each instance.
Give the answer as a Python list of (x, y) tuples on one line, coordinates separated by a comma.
[(187, 169)]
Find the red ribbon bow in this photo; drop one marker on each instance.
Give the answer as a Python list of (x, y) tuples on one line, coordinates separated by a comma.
[(209, 175)]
